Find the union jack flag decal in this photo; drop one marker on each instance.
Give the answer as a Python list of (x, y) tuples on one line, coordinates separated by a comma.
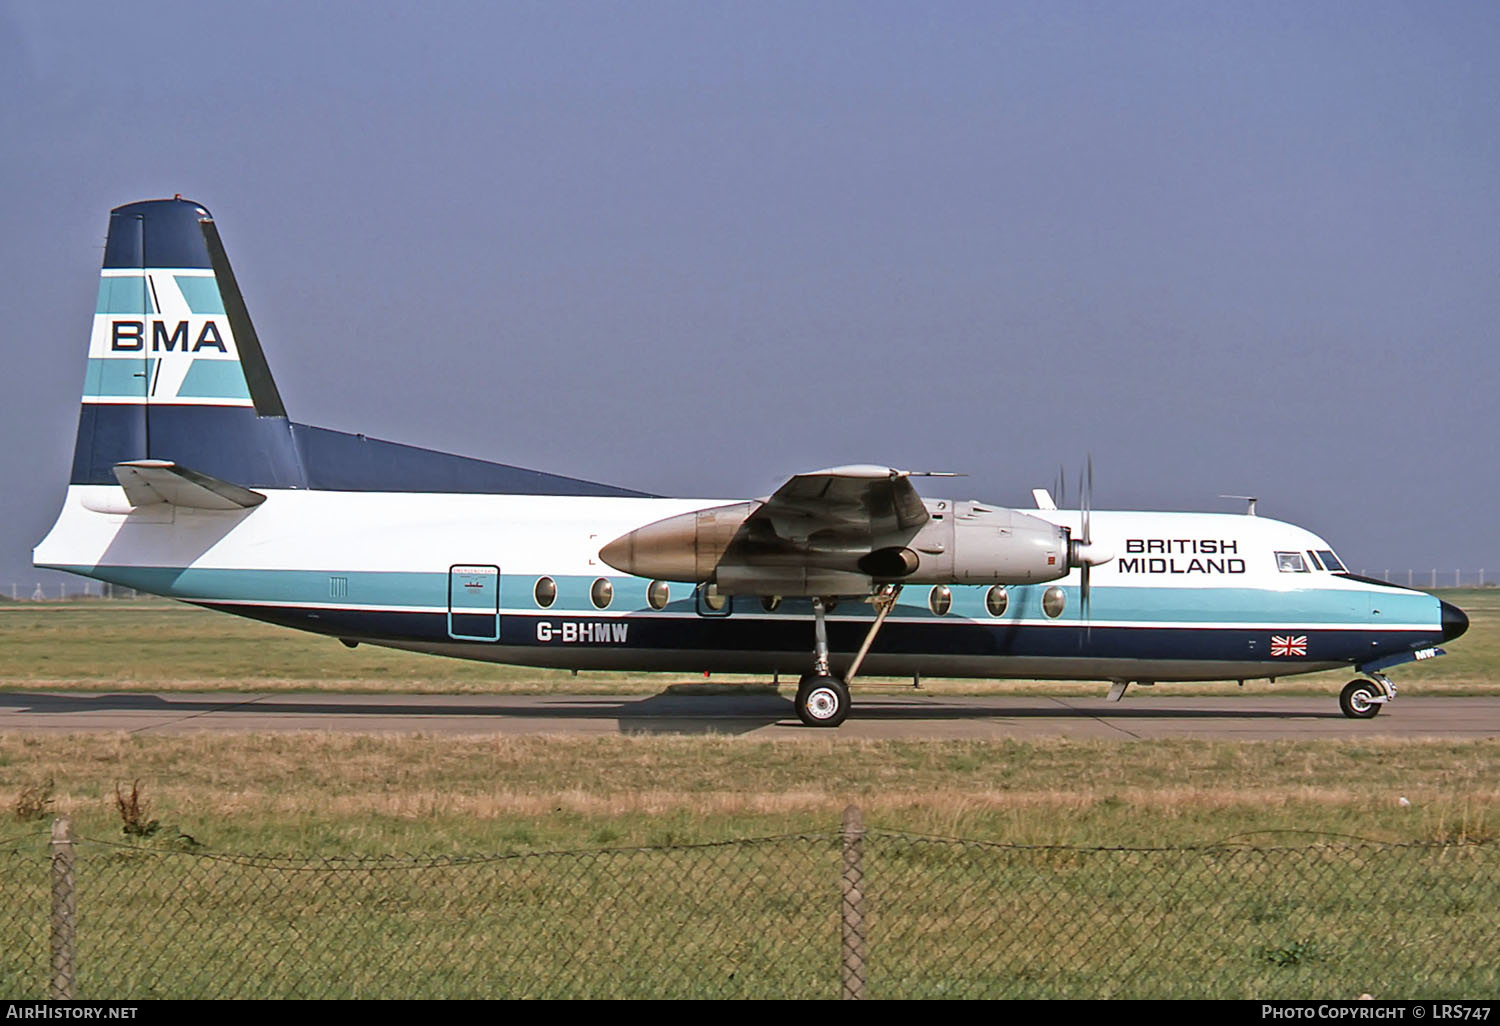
[(1288, 645)]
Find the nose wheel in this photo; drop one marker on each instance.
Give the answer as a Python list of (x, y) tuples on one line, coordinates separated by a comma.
[(1361, 699)]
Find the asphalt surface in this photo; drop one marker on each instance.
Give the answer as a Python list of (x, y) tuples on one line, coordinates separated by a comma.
[(761, 714)]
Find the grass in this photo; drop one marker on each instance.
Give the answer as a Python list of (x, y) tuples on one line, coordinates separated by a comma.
[(761, 919), (168, 916), (163, 646), (340, 794)]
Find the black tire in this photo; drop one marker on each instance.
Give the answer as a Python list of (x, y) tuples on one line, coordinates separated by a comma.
[(822, 701), (1357, 700)]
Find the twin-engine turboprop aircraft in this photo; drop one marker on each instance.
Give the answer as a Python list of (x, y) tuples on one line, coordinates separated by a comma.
[(190, 481)]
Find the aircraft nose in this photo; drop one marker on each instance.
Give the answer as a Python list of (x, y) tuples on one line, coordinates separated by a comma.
[(1455, 621)]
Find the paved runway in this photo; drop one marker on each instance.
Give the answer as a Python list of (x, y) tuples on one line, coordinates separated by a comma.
[(761, 713)]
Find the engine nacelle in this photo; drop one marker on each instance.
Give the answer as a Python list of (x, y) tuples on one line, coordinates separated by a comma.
[(961, 543), (976, 544), (686, 547)]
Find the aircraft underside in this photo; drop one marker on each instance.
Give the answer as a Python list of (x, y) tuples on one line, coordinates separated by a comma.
[(781, 645)]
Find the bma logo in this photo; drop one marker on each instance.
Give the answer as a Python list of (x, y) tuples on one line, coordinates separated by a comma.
[(130, 337)]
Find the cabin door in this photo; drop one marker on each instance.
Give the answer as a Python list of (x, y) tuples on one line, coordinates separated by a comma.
[(474, 603)]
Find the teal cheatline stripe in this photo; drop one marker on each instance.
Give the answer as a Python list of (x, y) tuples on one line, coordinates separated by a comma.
[(373, 587), (1190, 605), (1174, 605), (123, 296), (214, 379), (202, 294), (118, 379), (1208, 606)]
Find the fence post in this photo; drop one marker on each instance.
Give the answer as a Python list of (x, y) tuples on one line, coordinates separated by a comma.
[(853, 906), (64, 910)]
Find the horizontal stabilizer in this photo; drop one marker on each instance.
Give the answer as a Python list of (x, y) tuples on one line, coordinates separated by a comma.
[(147, 482)]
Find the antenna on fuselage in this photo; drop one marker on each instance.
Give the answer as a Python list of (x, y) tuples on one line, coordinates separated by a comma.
[(1251, 499)]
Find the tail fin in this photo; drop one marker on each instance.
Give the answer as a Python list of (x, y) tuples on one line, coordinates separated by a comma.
[(175, 370)]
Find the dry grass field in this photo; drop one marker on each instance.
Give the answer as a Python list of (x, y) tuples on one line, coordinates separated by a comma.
[(333, 794)]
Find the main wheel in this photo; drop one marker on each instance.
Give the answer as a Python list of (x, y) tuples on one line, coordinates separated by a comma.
[(1358, 700), (822, 701)]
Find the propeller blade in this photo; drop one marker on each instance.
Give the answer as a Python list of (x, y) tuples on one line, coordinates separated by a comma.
[(1088, 501), (1086, 490)]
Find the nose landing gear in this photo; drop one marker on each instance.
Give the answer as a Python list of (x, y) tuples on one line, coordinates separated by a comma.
[(1361, 699)]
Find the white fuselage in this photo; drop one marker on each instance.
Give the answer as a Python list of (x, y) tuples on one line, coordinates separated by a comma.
[(1187, 595)]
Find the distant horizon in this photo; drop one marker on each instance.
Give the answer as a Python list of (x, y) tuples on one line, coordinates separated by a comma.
[(695, 249)]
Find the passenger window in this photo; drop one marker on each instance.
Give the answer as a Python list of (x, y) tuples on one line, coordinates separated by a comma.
[(545, 592), (940, 600), (1053, 600), (996, 599), (1291, 563), (658, 593), (602, 593)]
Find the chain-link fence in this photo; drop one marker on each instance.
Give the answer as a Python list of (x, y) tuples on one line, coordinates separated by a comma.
[(851, 913), (1433, 578), (63, 589)]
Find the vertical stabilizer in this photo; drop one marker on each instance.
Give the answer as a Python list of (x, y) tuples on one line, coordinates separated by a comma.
[(175, 369)]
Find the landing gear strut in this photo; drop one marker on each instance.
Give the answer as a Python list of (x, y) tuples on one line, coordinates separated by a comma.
[(822, 698)]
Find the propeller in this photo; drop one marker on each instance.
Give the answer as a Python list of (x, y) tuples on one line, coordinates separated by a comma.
[(1084, 554), (1082, 546)]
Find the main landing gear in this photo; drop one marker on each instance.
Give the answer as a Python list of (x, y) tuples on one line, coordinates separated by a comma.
[(1361, 699), (822, 698)]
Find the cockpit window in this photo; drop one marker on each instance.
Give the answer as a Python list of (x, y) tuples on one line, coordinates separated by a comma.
[(1291, 563), (1312, 557), (1331, 561)]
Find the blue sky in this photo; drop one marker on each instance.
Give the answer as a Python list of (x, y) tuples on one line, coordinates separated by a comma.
[(694, 248)]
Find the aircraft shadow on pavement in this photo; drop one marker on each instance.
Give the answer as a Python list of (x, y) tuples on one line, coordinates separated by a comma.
[(666, 712), (676, 710)]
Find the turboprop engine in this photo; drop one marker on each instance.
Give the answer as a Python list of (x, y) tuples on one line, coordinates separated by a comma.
[(742, 549)]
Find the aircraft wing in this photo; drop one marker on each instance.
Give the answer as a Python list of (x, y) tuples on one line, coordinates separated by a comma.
[(812, 535), (859, 501), (828, 532)]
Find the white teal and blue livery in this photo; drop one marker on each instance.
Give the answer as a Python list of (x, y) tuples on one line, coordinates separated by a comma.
[(190, 481)]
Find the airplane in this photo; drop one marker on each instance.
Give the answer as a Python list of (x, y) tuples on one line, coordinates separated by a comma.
[(190, 481)]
